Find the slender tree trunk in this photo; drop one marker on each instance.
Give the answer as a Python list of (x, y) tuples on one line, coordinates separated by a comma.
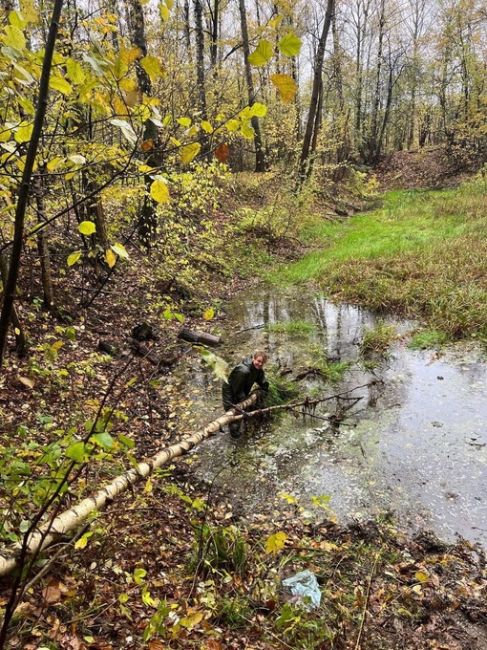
[(373, 151), (200, 70), (23, 193), (20, 339), (214, 32), (187, 30), (260, 163), (148, 216), (303, 169), (43, 249)]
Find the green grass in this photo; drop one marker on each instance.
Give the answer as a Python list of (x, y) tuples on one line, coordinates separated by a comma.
[(423, 255), (378, 339), (427, 339)]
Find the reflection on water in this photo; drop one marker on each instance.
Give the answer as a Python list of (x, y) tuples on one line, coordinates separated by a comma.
[(416, 445)]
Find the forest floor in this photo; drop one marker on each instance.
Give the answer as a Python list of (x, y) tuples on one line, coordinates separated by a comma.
[(169, 565)]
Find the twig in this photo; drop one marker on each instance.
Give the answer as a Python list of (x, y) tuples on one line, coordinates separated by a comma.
[(367, 598)]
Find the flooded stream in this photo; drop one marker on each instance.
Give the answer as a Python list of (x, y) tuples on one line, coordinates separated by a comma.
[(415, 445)]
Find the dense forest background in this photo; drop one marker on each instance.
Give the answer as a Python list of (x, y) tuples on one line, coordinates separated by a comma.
[(153, 159)]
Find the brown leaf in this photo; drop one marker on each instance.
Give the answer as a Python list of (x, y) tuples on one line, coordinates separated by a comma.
[(25, 382), (222, 152), (155, 644), (52, 593)]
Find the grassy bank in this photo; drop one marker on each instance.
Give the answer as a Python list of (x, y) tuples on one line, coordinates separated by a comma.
[(422, 254)]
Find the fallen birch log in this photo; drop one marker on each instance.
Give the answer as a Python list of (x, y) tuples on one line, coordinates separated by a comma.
[(70, 519)]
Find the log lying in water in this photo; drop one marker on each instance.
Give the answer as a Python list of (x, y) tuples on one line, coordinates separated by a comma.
[(199, 337), (72, 518)]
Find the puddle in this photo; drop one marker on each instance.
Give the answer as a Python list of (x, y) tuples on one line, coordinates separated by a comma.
[(415, 446)]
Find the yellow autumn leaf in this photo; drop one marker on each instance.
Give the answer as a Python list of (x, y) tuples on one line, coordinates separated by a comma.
[(159, 191), (258, 110), (189, 152), (285, 85), (421, 576), (120, 250), (60, 84), (191, 620), (164, 12), (247, 131), (262, 54), (206, 126), (152, 66), (73, 258), (23, 133), (87, 228), (209, 313), (276, 542), (110, 257), (232, 125), (148, 486), (83, 540)]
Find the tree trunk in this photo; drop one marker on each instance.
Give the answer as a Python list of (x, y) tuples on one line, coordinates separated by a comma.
[(20, 340), (303, 169), (148, 216), (23, 193), (200, 71), (260, 163), (43, 249)]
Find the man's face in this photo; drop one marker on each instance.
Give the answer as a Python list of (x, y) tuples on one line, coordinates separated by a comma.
[(258, 362)]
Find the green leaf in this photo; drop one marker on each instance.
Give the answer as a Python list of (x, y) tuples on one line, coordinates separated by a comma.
[(139, 575), (119, 249), (103, 439), (147, 598), (76, 451), (159, 191), (276, 542), (73, 258), (60, 84), (262, 54), (87, 228), (290, 45), (127, 442)]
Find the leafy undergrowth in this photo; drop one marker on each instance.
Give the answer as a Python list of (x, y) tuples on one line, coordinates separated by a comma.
[(166, 569), (423, 254)]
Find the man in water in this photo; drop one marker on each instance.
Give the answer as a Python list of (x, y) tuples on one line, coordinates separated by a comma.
[(240, 382)]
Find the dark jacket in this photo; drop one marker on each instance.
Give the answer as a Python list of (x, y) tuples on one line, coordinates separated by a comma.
[(240, 382)]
